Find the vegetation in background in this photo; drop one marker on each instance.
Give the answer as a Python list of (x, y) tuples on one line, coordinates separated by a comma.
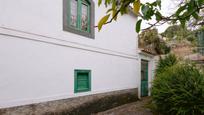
[(152, 40), (176, 32), (178, 88)]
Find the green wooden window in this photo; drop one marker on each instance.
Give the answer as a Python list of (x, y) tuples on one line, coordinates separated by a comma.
[(82, 81), (79, 17)]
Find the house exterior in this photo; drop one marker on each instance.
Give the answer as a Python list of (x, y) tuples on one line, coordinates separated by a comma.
[(50, 50)]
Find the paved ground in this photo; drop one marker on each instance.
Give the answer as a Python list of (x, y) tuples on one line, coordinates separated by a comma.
[(136, 108)]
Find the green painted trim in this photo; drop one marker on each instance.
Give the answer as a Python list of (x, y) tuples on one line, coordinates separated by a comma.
[(89, 24), (79, 15), (147, 74), (76, 72), (68, 14)]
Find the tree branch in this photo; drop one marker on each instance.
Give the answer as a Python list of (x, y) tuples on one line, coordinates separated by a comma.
[(116, 14)]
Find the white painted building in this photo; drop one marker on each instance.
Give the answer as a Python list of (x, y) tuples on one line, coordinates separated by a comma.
[(40, 56)]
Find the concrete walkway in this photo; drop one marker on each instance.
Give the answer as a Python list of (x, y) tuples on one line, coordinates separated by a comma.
[(136, 108)]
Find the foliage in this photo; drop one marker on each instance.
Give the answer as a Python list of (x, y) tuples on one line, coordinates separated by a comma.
[(178, 89), (193, 23), (166, 62), (102, 21), (176, 32), (148, 37), (152, 38), (162, 48), (191, 37), (201, 28), (187, 9)]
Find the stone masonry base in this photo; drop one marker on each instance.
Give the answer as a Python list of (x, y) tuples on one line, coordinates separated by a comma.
[(84, 105)]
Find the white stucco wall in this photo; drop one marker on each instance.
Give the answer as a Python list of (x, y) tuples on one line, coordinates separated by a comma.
[(44, 17), (38, 58)]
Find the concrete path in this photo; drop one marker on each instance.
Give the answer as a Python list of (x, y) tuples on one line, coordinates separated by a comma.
[(136, 108)]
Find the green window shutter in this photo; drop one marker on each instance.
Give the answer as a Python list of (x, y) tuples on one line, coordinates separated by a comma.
[(82, 81)]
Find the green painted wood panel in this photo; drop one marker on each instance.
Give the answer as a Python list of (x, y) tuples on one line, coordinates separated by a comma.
[(144, 78), (82, 81)]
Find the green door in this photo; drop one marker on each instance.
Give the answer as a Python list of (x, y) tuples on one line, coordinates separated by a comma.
[(144, 78)]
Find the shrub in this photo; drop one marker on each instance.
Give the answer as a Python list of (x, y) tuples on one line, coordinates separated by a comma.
[(179, 90), (166, 62)]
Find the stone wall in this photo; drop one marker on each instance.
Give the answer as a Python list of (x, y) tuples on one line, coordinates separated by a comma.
[(84, 105)]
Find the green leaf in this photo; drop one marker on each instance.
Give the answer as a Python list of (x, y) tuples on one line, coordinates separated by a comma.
[(195, 15), (114, 15), (158, 16), (107, 2), (147, 12), (99, 2), (103, 21), (109, 10), (123, 9), (136, 6), (200, 2), (183, 23), (114, 4), (159, 3), (154, 4), (138, 25), (145, 9), (181, 9)]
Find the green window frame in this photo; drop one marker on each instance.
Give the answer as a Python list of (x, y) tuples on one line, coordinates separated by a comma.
[(88, 30), (82, 81)]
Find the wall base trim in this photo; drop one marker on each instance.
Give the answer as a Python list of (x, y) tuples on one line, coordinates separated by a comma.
[(76, 106)]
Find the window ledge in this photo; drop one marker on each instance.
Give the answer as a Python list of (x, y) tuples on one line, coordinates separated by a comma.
[(79, 32)]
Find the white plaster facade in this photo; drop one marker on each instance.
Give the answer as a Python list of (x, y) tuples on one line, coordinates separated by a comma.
[(38, 58)]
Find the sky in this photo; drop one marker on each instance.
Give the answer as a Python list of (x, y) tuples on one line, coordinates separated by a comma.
[(168, 7)]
